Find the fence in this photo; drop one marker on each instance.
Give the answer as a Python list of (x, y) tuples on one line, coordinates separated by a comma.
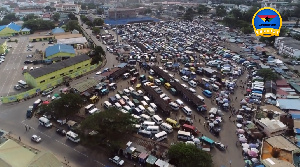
[(36, 91)]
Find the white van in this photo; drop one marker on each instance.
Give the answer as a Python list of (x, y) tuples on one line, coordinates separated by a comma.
[(160, 136), (126, 92), (205, 80), (215, 87), (138, 118), (94, 110), (145, 124), (130, 104), (174, 106), (127, 108), (146, 99), (126, 98), (107, 104), (153, 106), (89, 107), (118, 106), (256, 96), (192, 90), (157, 119), (192, 83), (157, 82), (145, 133), (23, 84), (145, 104), (201, 98), (45, 122), (74, 137), (187, 110), (166, 127), (184, 135), (145, 117), (153, 129), (131, 89), (179, 102), (118, 96), (143, 110), (150, 111), (212, 80)]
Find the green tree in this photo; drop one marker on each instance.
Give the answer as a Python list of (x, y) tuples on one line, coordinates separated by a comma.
[(96, 30), (112, 126), (236, 13), (100, 11), (189, 14), (248, 16), (98, 22), (71, 16), (38, 24), (29, 17), (181, 8), (221, 11), (84, 18), (89, 23), (203, 9), (270, 40), (2, 9), (11, 17), (56, 16), (97, 57), (267, 74), (68, 105), (183, 155), (73, 25), (4, 22)]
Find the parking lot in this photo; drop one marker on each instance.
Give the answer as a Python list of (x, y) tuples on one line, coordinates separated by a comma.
[(11, 69)]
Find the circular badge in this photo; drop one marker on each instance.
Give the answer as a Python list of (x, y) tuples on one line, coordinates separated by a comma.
[(267, 22)]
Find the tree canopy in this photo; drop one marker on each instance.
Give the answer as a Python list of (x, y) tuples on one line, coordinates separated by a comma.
[(183, 155), (38, 24), (112, 125), (11, 17), (98, 22), (97, 57), (221, 11), (71, 16), (73, 25), (189, 14), (96, 30), (29, 17), (202, 9), (68, 105), (270, 40), (56, 16), (267, 74)]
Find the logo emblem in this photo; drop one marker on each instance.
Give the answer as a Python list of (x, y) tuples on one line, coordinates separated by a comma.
[(267, 22)]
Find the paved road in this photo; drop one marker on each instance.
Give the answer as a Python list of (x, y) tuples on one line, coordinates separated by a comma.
[(12, 118)]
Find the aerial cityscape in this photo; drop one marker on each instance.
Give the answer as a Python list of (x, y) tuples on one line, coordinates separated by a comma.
[(198, 83)]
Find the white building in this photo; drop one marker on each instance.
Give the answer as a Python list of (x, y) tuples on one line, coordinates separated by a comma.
[(273, 4), (288, 46), (244, 8), (24, 12), (270, 127), (67, 8), (106, 8)]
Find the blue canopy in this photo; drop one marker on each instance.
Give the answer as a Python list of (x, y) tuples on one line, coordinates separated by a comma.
[(297, 130)]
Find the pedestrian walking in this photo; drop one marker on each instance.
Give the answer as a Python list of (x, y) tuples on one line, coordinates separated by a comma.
[(19, 138), (199, 120), (204, 124), (226, 147), (26, 127), (235, 98), (29, 127), (194, 117)]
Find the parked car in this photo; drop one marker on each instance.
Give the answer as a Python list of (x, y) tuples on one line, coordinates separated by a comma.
[(220, 146), (28, 62), (61, 132), (29, 56), (17, 87), (117, 160), (36, 138)]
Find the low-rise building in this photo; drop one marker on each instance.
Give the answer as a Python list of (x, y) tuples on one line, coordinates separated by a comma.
[(63, 7), (121, 13), (270, 127), (288, 46), (57, 71), (11, 29)]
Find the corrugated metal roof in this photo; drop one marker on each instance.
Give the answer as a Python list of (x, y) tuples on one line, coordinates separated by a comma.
[(2, 27), (58, 66), (51, 50), (14, 26), (289, 104), (57, 30)]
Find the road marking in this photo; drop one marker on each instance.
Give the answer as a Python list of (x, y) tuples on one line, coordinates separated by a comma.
[(99, 163)]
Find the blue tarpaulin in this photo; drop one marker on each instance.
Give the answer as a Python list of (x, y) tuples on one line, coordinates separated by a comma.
[(295, 116), (297, 131)]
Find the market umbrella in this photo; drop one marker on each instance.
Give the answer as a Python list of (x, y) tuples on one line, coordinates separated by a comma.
[(252, 154), (241, 136), (255, 150), (211, 115), (243, 140), (245, 145), (46, 102), (241, 131), (211, 124), (253, 145), (245, 149), (239, 116), (239, 125), (226, 105), (56, 95), (255, 160), (248, 90)]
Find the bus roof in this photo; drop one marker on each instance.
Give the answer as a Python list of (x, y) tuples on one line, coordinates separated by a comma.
[(206, 139)]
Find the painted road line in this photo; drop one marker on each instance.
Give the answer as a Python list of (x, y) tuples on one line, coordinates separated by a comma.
[(99, 163)]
